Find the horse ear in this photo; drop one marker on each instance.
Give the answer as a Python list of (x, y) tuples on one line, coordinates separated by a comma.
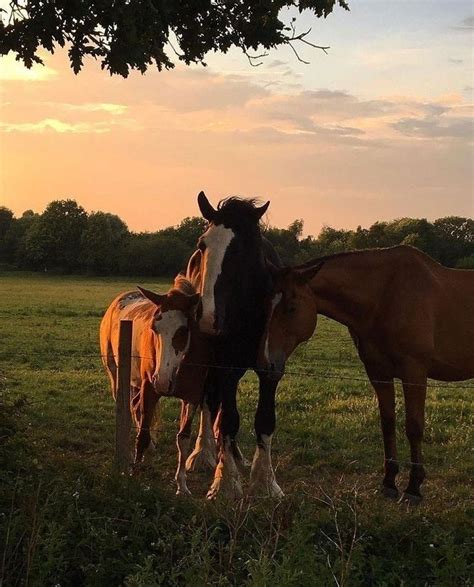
[(205, 206), (157, 299), (304, 275), (260, 211)]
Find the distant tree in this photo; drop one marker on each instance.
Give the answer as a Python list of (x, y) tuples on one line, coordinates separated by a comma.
[(54, 240), (15, 238), (377, 236), (333, 240), (6, 220), (309, 249), (359, 239), (154, 254), (134, 34), (455, 238), (285, 241), (102, 243), (417, 232), (296, 228), (190, 229)]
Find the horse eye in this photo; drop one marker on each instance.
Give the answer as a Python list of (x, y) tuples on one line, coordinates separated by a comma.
[(291, 310)]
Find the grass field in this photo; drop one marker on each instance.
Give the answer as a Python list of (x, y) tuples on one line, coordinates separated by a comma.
[(65, 519)]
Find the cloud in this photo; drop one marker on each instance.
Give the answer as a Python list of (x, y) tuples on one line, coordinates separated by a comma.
[(14, 71), (466, 25), (276, 63), (115, 109), (201, 101), (53, 124), (436, 127), (198, 90)]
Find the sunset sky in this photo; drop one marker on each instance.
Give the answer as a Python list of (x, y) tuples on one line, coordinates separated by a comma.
[(380, 128)]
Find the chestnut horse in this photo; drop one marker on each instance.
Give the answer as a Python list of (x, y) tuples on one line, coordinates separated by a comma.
[(165, 338), (410, 318)]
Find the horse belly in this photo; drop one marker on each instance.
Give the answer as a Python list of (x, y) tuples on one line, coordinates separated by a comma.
[(443, 372), (453, 357)]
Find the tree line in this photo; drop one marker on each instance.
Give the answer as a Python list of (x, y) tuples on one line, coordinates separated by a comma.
[(66, 239)]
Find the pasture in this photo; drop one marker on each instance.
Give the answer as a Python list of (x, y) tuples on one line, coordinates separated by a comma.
[(65, 519)]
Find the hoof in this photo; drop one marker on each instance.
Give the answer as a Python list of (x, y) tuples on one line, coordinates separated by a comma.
[(183, 491), (389, 492), (233, 492), (410, 499), (271, 490), (275, 491), (212, 494)]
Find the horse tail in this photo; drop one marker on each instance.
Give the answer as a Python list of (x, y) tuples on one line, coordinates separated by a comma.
[(107, 352)]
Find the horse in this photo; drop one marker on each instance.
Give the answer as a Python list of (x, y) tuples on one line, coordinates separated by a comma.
[(410, 318), (168, 359), (234, 283)]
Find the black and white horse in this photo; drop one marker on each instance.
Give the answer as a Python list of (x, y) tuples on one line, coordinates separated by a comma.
[(235, 282)]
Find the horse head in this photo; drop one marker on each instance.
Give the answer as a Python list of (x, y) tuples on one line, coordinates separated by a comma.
[(291, 316), (231, 263), (172, 325)]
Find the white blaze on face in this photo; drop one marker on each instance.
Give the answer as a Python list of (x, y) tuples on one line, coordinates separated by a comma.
[(169, 359), (217, 239), (275, 301)]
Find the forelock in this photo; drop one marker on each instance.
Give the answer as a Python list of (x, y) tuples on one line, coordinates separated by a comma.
[(235, 211), (183, 285)]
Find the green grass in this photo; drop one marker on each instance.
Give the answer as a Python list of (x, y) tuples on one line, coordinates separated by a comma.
[(65, 519)]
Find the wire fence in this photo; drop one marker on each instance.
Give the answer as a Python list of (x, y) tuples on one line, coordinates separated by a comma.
[(291, 371), (331, 366)]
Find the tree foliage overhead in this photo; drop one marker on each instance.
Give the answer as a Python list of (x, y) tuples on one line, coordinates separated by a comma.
[(134, 34)]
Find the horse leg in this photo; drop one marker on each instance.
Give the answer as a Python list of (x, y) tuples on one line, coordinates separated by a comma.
[(182, 442), (112, 370), (386, 399), (415, 396), (227, 476), (262, 474), (135, 402), (204, 453), (148, 401)]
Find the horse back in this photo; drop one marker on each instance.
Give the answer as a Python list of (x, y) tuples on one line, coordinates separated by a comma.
[(130, 305), (427, 311)]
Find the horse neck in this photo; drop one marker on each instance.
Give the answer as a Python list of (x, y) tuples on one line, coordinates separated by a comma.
[(347, 288), (251, 288)]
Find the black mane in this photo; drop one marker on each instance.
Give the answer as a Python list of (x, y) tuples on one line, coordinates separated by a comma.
[(236, 211)]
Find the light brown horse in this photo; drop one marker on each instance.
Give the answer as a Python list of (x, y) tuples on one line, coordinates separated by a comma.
[(168, 355), (410, 318)]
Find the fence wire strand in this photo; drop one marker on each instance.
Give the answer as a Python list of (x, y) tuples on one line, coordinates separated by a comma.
[(325, 361)]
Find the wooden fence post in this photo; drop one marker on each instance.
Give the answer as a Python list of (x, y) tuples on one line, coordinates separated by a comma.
[(122, 403)]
